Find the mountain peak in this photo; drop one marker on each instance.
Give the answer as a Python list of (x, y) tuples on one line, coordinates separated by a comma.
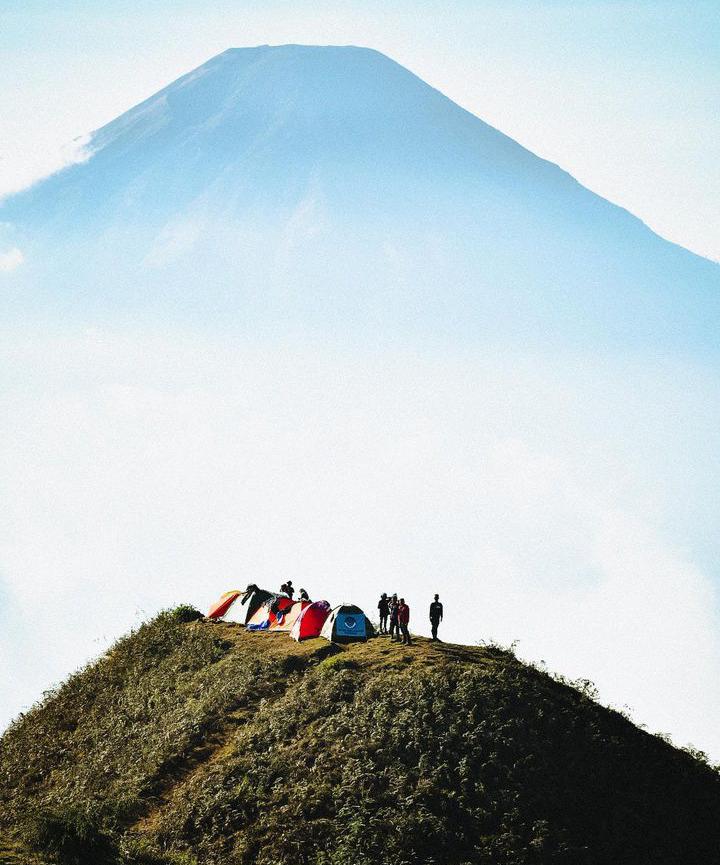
[(302, 80), (297, 49), (280, 167)]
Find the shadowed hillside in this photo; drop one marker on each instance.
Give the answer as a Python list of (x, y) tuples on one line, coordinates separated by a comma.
[(192, 742)]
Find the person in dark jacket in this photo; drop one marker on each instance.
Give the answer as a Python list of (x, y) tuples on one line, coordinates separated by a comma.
[(436, 614), (403, 613), (384, 612), (287, 589), (303, 596), (394, 627)]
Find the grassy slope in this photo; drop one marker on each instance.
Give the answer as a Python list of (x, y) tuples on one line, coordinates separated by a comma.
[(193, 742)]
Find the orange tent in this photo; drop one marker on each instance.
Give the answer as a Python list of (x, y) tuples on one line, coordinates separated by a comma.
[(286, 618), (220, 607)]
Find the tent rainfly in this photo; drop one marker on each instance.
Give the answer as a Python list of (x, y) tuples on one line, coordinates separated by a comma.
[(255, 597), (266, 615), (229, 606), (286, 618), (310, 621), (221, 606)]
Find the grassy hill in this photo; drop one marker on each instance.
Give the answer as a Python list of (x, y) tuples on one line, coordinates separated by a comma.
[(192, 742)]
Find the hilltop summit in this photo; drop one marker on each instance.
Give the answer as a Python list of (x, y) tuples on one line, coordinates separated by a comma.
[(191, 742)]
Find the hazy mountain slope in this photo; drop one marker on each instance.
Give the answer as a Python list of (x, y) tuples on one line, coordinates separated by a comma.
[(330, 187), (194, 742)]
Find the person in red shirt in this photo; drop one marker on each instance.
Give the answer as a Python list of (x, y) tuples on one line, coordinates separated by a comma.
[(404, 621)]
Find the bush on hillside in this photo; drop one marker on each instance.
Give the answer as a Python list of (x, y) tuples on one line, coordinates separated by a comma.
[(71, 835), (186, 613)]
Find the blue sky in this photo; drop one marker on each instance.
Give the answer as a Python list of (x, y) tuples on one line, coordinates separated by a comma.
[(624, 95)]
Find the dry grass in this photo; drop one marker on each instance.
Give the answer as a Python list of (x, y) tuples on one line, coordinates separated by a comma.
[(194, 742)]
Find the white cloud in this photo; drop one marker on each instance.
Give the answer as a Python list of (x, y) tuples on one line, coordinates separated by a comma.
[(22, 163), (11, 259)]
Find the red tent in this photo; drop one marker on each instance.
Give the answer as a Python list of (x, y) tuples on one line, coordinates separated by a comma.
[(310, 621), (218, 609)]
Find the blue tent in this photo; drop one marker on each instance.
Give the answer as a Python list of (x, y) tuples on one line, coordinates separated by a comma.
[(345, 624)]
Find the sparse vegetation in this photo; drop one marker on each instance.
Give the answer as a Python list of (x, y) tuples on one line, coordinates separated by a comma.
[(193, 742)]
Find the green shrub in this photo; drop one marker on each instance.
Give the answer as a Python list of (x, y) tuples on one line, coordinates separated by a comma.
[(70, 834), (186, 613), (339, 662), (142, 851)]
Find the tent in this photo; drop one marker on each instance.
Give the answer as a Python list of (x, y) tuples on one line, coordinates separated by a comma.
[(229, 607), (310, 621), (286, 618), (220, 607), (255, 597), (345, 624), (266, 615)]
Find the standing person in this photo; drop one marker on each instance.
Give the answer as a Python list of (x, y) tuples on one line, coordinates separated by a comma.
[(384, 611), (394, 628), (403, 612), (436, 614)]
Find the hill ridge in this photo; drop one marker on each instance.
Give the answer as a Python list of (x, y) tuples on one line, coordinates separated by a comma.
[(194, 742)]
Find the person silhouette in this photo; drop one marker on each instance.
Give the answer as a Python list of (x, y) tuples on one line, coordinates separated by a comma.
[(394, 627), (384, 612), (436, 615), (403, 614)]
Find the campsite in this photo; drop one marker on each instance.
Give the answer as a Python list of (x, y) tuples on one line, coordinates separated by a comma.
[(276, 613)]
